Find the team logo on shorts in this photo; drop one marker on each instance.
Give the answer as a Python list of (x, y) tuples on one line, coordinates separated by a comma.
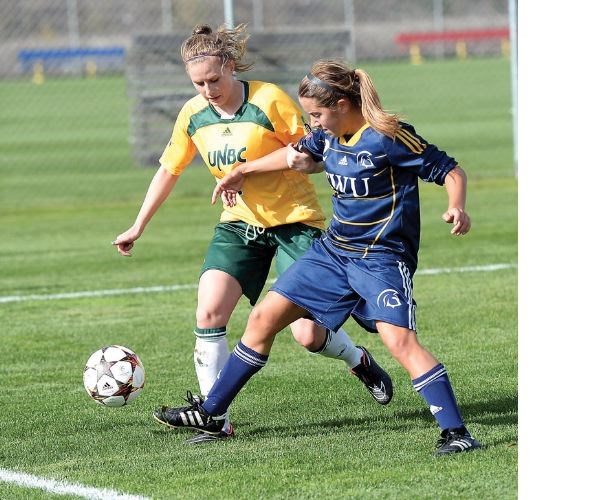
[(389, 298)]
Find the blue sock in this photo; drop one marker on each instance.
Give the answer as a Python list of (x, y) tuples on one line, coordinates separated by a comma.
[(242, 364), (435, 388)]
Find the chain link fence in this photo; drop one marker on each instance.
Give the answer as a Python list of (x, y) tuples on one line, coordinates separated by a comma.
[(81, 40), (30, 25)]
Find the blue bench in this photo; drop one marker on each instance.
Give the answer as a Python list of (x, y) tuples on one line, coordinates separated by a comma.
[(73, 60)]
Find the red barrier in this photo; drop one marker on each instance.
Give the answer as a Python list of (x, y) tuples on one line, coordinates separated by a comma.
[(452, 36)]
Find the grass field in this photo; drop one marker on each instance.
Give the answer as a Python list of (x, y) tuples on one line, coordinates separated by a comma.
[(305, 427)]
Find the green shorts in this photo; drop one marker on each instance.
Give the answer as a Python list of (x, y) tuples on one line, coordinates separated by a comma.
[(246, 252)]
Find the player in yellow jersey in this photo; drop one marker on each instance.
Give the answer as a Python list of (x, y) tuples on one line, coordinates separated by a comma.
[(237, 123)]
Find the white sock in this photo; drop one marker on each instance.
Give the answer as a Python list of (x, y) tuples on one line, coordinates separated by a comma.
[(338, 345), (210, 355)]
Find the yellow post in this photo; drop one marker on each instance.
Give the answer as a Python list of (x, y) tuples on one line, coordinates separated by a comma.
[(415, 54), (461, 49), (91, 69), (38, 73), (505, 47)]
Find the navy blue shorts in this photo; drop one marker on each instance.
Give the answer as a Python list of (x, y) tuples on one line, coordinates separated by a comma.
[(333, 287)]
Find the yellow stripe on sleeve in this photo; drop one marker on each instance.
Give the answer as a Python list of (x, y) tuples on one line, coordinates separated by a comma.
[(415, 148)]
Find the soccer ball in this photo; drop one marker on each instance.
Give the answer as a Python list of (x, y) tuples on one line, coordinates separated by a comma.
[(114, 376)]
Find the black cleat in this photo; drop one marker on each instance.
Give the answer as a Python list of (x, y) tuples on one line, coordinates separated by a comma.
[(374, 378), (192, 416), (204, 437), (456, 441)]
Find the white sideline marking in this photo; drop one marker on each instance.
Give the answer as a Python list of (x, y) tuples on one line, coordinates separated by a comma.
[(96, 293), (61, 487), (469, 269), (168, 288)]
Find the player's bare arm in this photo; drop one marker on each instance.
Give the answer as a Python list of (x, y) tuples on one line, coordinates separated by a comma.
[(159, 189), (232, 183), (301, 161), (281, 159), (456, 187)]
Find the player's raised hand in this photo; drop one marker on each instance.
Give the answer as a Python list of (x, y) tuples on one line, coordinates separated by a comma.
[(461, 223), (228, 187), (126, 241)]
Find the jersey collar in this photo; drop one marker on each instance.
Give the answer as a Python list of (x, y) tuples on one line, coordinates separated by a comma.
[(240, 110), (354, 138)]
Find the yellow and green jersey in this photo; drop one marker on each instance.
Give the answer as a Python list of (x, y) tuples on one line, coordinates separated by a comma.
[(267, 120)]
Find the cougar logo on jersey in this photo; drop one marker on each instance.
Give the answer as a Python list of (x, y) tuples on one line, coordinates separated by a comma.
[(389, 298), (226, 156), (364, 158)]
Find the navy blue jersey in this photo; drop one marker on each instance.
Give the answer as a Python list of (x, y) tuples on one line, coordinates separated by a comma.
[(376, 193)]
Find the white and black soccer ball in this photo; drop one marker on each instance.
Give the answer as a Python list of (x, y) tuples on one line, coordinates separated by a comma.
[(114, 376)]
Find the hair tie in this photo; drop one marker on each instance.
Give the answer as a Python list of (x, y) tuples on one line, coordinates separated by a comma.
[(314, 80), (199, 56)]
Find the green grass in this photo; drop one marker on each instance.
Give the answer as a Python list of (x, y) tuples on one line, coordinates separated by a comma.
[(305, 427)]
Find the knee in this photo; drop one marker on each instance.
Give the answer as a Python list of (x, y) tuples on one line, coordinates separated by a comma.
[(402, 342), (210, 318), (308, 334), (262, 321), (259, 327), (256, 319)]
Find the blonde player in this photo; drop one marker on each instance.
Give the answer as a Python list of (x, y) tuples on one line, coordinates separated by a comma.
[(232, 123)]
